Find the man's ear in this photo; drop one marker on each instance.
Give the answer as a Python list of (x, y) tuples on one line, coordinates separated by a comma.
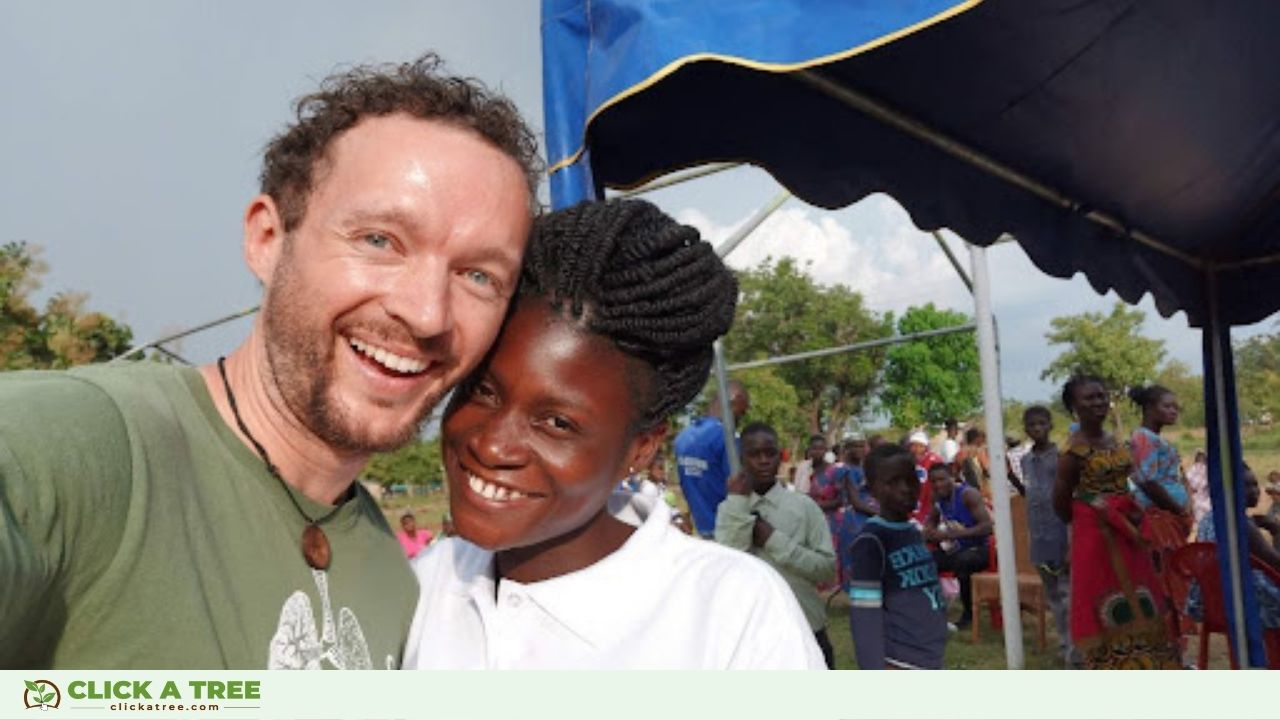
[(645, 445), (263, 237)]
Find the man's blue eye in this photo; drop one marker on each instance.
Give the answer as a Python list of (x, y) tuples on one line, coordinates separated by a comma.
[(377, 240), (480, 277)]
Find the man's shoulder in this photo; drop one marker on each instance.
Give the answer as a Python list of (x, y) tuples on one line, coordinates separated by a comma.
[(699, 432), (91, 386), (798, 502), (892, 533), (32, 402)]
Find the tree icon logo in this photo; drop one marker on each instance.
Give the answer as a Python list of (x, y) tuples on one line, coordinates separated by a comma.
[(41, 694)]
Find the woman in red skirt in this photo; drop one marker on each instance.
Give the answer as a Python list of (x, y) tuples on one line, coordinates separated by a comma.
[(1115, 595)]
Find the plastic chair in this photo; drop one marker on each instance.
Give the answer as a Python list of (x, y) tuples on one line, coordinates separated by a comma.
[(1270, 638), (1031, 595), (1199, 562)]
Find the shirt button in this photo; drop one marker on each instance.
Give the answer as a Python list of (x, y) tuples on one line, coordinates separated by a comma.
[(513, 601)]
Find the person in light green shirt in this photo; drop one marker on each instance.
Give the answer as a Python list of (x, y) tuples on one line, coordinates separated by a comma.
[(158, 517), (785, 529), (140, 532)]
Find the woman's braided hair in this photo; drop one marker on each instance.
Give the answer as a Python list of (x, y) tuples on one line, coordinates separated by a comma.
[(624, 270), (1147, 397)]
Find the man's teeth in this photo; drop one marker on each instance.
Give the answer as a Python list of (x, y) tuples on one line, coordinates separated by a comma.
[(389, 360), (489, 491)]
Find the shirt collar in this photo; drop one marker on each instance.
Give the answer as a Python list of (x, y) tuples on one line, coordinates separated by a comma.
[(892, 525), (587, 602), (771, 495)]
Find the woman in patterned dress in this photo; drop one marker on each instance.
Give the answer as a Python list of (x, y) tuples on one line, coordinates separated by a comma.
[(1158, 484), (1115, 595)]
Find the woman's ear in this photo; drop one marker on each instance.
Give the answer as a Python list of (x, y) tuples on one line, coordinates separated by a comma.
[(645, 445)]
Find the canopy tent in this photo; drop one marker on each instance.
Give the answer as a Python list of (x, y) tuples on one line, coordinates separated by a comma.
[(1137, 143)]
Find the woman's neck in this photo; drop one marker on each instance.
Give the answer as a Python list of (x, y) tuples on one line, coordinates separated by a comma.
[(597, 539)]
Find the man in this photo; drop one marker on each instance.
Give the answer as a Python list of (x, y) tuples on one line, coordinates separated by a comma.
[(813, 463), (157, 516), (1048, 532), (701, 460), (918, 444), (951, 445), (785, 529), (860, 499), (973, 463), (961, 526), (413, 539)]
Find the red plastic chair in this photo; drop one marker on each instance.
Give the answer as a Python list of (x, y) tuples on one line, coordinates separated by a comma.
[(1270, 638), (1199, 562)]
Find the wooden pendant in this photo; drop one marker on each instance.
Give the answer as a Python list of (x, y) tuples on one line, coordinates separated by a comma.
[(315, 547)]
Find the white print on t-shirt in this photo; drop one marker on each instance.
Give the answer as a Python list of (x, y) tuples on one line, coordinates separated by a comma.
[(296, 646)]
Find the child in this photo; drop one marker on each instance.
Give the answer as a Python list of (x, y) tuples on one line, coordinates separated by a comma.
[(898, 618), (1048, 532)]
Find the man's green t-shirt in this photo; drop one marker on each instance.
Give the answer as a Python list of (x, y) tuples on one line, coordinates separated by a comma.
[(138, 531)]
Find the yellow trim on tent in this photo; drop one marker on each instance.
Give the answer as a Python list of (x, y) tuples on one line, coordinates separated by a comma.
[(678, 63)]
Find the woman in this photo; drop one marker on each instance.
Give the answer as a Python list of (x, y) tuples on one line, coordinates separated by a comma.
[(1158, 485), (1157, 468), (1115, 595), (1198, 484), (830, 490), (611, 331)]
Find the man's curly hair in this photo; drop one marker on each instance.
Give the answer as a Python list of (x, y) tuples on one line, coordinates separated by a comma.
[(626, 271), (417, 88)]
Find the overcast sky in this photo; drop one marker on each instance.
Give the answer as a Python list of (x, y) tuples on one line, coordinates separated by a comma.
[(133, 131)]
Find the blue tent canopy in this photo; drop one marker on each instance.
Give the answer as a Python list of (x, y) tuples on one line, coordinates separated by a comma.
[(1164, 116), (1138, 143)]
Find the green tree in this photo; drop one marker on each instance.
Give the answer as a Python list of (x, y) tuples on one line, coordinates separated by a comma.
[(1109, 346), (930, 380), (418, 463), (783, 311), (61, 335), (1257, 362)]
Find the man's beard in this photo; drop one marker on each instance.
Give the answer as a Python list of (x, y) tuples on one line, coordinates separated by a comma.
[(301, 361)]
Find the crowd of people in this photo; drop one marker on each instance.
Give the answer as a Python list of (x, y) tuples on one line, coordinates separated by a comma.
[(1104, 516)]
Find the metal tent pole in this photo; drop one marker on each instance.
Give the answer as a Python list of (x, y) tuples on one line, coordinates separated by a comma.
[(755, 221), (189, 331), (1225, 465), (971, 156), (866, 345), (726, 410), (721, 367), (993, 410), (676, 178)]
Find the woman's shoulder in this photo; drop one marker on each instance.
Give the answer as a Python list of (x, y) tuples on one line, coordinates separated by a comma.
[(1076, 445), (706, 560), (1144, 437)]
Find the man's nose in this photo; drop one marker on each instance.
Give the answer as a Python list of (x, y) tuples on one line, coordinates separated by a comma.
[(421, 297)]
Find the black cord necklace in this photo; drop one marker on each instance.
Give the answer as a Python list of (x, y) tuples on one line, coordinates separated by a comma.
[(315, 546)]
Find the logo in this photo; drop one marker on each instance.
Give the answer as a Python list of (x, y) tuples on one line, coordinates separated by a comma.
[(41, 694)]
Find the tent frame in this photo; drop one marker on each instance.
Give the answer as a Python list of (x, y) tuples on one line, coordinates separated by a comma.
[(1226, 462)]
